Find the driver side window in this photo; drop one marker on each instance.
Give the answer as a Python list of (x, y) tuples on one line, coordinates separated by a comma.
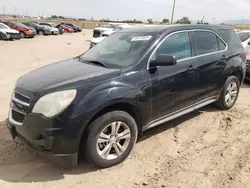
[(177, 45)]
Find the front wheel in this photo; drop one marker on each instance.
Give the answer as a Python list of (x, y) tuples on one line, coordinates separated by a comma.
[(110, 139), (41, 33), (229, 94), (22, 35)]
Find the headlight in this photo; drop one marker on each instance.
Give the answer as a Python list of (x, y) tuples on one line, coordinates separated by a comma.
[(54, 103)]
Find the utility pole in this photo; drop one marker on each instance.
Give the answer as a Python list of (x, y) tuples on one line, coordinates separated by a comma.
[(172, 18), (3, 11)]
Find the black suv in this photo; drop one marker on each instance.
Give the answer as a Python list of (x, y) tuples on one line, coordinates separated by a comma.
[(41, 30), (100, 102)]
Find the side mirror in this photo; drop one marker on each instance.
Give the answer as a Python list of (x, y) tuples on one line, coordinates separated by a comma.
[(248, 43), (163, 60)]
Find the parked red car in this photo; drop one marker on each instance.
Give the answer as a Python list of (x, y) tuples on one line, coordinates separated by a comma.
[(66, 28), (23, 29)]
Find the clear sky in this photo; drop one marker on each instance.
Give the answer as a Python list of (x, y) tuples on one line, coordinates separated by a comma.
[(129, 9)]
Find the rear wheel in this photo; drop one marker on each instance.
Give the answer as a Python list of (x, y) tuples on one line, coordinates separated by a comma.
[(110, 139), (41, 32), (22, 35), (229, 94)]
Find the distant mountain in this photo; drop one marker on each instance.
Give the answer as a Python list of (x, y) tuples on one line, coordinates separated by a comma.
[(237, 22)]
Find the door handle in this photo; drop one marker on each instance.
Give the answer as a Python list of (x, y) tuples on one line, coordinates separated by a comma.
[(191, 69), (224, 57)]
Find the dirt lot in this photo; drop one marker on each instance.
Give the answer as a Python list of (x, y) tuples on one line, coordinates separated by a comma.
[(205, 149)]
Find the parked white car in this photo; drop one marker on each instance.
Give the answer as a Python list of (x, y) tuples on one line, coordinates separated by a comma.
[(97, 32), (8, 32), (245, 39), (107, 33)]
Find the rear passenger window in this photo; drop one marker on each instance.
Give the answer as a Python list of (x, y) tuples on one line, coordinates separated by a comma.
[(222, 45), (177, 45), (206, 42)]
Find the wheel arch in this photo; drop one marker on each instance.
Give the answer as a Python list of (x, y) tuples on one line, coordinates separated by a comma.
[(125, 106)]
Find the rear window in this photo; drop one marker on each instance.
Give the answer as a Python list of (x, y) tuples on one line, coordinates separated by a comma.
[(206, 42), (243, 36)]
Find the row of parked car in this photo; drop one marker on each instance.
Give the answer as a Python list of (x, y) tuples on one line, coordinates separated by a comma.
[(16, 30), (104, 31)]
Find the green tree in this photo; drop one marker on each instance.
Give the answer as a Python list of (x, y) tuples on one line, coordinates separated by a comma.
[(150, 20), (54, 16), (184, 20), (165, 21)]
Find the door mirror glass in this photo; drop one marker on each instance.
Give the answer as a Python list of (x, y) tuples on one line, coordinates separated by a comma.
[(163, 60)]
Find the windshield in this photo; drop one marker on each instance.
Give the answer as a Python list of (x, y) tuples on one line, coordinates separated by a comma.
[(119, 50), (20, 25), (2, 26), (243, 36)]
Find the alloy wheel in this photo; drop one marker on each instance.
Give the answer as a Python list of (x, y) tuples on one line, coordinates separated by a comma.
[(113, 140), (231, 93)]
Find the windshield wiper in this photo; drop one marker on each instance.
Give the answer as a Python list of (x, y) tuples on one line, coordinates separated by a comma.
[(97, 63)]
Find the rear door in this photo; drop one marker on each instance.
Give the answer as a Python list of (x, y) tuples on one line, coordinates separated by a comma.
[(211, 54), (173, 87)]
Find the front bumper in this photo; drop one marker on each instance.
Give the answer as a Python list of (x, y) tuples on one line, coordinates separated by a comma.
[(248, 74), (30, 33), (247, 71), (47, 32), (56, 138), (48, 142), (65, 160), (55, 32), (14, 35)]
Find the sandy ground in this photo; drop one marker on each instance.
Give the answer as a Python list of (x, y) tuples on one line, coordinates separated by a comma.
[(205, 149)]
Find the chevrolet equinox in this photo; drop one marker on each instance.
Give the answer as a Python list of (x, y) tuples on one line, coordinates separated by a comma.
[(99, 103)]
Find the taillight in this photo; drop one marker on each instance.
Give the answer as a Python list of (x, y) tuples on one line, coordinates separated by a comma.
[(245, 54)]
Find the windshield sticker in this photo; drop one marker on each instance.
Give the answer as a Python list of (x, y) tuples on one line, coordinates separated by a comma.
[(141, 38)]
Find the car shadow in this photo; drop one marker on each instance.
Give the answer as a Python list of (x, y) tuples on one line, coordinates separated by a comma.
[(173, 123), (246, 84), (19, 164)]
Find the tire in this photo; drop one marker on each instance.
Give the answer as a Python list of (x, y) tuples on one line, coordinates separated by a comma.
[(92, 150), (41, 33), (228, 98), (22, 35)]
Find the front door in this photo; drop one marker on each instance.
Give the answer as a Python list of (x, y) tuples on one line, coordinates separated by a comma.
[(173, 87)]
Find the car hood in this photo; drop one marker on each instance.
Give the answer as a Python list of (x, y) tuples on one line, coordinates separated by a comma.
[(64, 74), (9, 31), (103, 29), (97, 40), (108, 32)]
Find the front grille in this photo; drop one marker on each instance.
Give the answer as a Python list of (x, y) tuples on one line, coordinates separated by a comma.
[(96, 33), (17, 116), (21, 98), (18, 109)]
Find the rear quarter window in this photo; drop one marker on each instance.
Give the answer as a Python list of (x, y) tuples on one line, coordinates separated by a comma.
[(232, 40)]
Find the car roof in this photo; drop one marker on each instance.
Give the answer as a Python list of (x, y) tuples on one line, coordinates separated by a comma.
[(162, 29)]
